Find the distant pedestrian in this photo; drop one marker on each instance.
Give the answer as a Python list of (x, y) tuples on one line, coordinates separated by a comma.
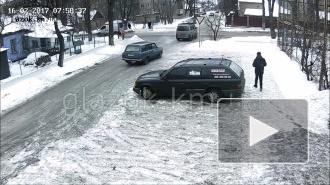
[(149, 25), (259, 63), (122, 34), (129, 26)]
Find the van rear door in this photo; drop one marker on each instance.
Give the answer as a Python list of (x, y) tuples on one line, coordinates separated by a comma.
[(239, 72)]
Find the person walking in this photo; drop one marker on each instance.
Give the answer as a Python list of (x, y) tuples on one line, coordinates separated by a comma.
[(122, 34), (259, 63)]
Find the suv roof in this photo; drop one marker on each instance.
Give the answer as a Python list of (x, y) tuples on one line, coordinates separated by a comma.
[(141, 43), (204, 62), (184, 23)]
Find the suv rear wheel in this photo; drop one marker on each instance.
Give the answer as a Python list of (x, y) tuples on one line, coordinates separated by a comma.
[(146, 61), (213, 95), (146, 93), (128, 62)]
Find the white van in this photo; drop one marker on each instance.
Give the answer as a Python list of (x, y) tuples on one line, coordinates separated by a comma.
[(186, 31), (117, 25)]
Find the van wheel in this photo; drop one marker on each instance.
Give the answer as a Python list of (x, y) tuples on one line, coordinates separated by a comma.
[(213, 95), (146, 93), (190, 37), (146, 61)]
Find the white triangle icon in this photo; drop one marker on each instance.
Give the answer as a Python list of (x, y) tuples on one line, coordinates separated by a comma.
[(259, 131)]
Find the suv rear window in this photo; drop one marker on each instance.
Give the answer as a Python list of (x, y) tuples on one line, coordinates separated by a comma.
[(132, 48), (236, 68), (182, 28)]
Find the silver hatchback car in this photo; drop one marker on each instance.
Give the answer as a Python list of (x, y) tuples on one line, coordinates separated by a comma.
[(186, 31)]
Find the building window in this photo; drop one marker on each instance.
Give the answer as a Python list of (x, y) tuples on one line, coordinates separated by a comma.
[(25, 43), (13, 45), (35, 44), (56, 42), (68, 38), (49, 43)]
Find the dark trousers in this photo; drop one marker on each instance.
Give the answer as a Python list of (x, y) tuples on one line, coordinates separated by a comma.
[(260, 80)]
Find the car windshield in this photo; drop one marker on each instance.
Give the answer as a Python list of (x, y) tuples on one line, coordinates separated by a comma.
[(164, 73), (132, 48), (161, 74), (183, 28)]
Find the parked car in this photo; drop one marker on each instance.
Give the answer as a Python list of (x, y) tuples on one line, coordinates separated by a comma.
[(104, 30), (210, 78), (141, 52), (186, 31)]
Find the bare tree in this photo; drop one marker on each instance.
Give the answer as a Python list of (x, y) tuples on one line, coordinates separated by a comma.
[(166, 10), (4, 21), (87, 17), (111, 6), (302, 27), (304, 43), (190, 7), (124, 8), (213, 24), (55, 8), (228, 6)]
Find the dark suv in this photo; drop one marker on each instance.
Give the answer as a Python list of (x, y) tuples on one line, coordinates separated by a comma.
[(211, 78)]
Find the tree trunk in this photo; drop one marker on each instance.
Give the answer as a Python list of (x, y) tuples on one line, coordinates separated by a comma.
[(271, 8), (324, 73), (111, 4), (87, 17), (263, 15), (303, 50), (317, 16), (306, 60), (62, 46), (1, 40)]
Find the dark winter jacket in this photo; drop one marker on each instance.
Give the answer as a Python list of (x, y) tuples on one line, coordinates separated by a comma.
[(259, 63)]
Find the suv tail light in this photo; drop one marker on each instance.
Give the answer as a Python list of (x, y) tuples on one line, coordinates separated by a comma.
[(239, 86)]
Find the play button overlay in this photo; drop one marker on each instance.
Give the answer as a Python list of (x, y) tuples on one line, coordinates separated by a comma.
[(259, 131), (262, 130)]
